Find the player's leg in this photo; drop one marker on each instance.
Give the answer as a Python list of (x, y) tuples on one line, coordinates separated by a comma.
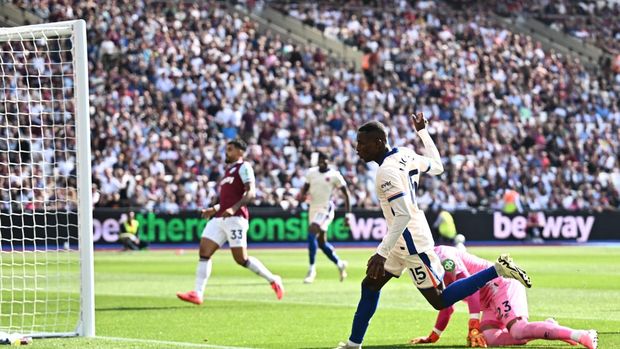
[(328, 249), (236, 228), (522, 329), (494, 331), (212, 238), (313, 245), (369, 299), (426, 271), (366, 307), (441, 298)]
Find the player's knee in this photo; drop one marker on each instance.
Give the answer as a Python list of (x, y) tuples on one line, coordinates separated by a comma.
[(517, 330), (371, 284), (241, 261), (437, 304), (314, 229), (435, 300)]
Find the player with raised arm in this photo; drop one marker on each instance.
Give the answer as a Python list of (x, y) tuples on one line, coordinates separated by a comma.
[(409, 243), (504, 309), (320, 182), (230, 223)]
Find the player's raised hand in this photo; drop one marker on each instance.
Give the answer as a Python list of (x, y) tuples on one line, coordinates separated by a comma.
[(431, 338), (376, 266), (419, 122)]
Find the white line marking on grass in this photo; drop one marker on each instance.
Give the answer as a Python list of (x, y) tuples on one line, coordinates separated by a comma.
[(180, 344)]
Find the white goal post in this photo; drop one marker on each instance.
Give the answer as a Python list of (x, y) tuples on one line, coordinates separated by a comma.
[(46, 247)]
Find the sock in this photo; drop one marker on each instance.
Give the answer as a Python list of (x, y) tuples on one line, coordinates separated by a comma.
[(328, 249), (203, 271), (312, 246), (467, 286), (540, 330), (365, 310), (499, 338), (312, 268), (256, 266)]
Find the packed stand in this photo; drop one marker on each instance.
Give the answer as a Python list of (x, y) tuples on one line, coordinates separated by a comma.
[(37, 132), (171, 85), (527, 119), (593, 21)]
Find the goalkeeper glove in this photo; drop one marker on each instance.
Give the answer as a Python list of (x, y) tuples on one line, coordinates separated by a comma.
[(475, 339), (432, 338)]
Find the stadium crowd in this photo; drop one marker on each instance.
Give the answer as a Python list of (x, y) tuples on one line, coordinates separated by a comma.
[(593, 21), (170, 84)]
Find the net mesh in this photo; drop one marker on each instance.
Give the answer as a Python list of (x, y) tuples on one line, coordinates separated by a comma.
[(39, 256)]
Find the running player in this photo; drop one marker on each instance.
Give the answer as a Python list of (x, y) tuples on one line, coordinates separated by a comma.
[(320, 182), (504, 309), (230, 224), (409, 243)]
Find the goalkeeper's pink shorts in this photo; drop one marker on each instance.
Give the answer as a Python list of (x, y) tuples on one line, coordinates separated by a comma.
[(502, 300)]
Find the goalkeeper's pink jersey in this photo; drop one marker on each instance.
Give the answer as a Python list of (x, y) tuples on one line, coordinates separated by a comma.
[(455, 261), (501, 300)]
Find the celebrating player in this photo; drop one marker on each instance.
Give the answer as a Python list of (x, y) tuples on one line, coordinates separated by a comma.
[(504, 309), (230, 224), (320, 182), (408, 243)]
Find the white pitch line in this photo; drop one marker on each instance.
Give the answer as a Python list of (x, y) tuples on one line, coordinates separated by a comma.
[(180, 344)]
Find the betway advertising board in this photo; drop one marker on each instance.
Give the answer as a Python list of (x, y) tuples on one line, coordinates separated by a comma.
[(274, 225)]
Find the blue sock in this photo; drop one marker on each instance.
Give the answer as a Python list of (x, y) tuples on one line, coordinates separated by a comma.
[(365, 310), (468, 286), (312, 245), (328, 249)]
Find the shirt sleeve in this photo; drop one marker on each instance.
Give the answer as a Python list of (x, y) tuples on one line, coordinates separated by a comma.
[(246, 173), (339, 181), (392, 190), (308, 177), (431, 165)]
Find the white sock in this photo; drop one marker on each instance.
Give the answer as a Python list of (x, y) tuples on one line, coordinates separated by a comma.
[(312, 268), (575, 335), (340, 264), (203, 271), (353, 344), (256, 266)]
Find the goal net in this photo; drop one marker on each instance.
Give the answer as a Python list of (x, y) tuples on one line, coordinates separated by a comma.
[(46, 253)]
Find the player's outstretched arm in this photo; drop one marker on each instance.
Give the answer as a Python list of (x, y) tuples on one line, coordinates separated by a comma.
[(443, 317), (347, 198), (431, 165), (304, 193)]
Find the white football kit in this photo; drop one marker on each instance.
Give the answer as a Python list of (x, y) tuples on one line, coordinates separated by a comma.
[(408, 242), (321, 209)]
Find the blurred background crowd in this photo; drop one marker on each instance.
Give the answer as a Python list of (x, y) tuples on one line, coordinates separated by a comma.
[(171, 83)]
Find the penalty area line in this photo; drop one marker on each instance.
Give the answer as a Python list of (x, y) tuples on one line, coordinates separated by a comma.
[(171, 343)]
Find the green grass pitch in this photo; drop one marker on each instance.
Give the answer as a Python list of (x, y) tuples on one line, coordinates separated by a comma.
[(136, 305)]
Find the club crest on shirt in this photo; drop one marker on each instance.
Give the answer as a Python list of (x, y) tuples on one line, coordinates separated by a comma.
[(448, 265)]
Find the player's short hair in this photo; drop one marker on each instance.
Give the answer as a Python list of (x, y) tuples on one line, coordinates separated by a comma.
[(322, 155), (374, 127), (239, 143)]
